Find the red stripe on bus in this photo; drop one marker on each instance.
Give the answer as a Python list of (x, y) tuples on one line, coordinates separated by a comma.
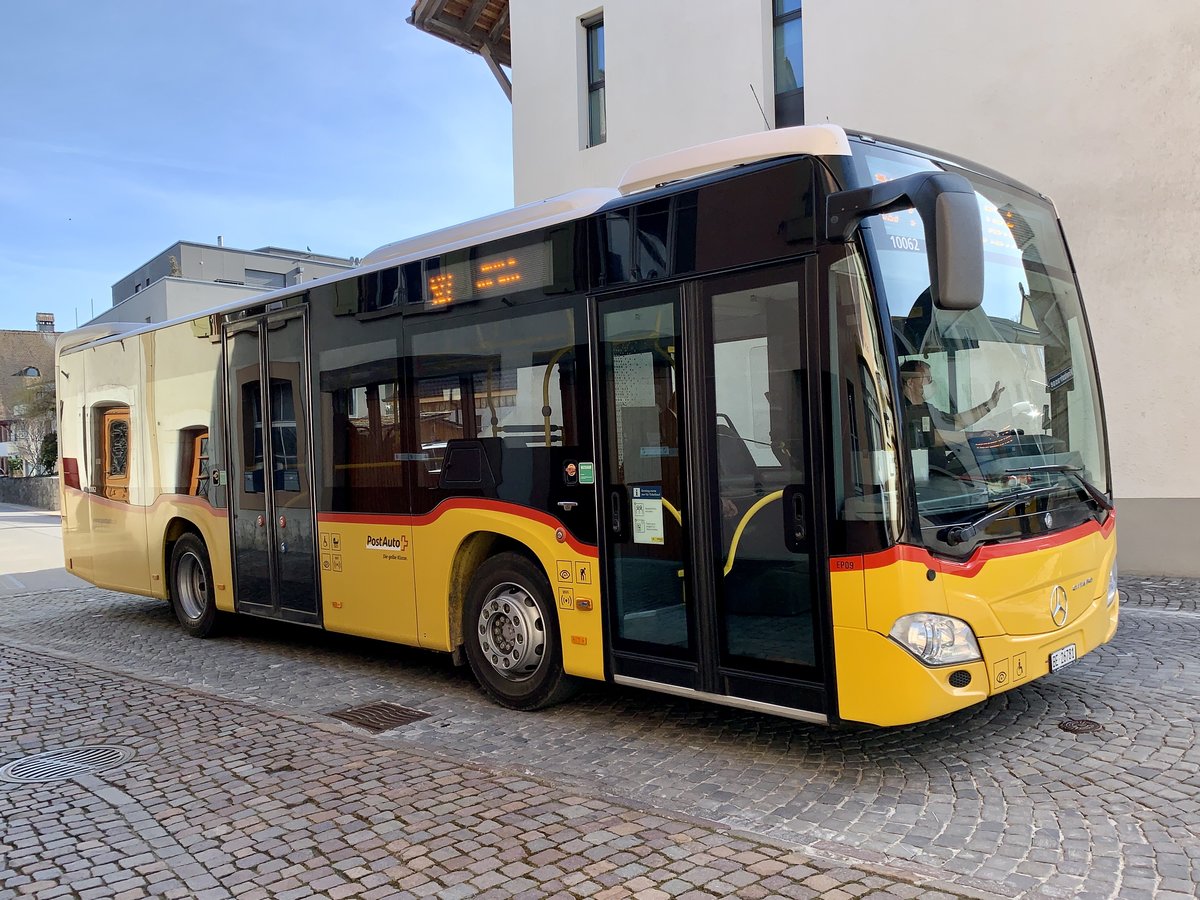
[(500, 506), (971, 567)]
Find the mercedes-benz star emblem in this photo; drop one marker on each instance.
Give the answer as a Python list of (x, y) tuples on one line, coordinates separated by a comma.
[(1058, 606)]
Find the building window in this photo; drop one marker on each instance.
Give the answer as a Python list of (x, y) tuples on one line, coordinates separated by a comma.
[(789, 64), (597, 124), (268, 281)]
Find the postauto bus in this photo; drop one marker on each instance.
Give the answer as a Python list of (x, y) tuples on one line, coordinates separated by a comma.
[(802, 422)]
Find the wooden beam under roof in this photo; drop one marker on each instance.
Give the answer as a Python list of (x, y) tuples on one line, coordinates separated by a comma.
[(471, 24)]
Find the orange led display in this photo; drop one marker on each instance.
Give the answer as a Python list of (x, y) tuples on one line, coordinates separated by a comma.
[(497, 273), (441, 289), (454, 279)]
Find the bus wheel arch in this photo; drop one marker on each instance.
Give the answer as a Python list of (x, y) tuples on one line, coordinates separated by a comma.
[(176, 528), (472, 553)]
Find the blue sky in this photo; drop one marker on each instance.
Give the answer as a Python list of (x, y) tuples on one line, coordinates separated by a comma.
[(131, 124)]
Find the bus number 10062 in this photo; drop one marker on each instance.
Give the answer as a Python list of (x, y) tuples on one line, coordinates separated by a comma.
[(902, 242)]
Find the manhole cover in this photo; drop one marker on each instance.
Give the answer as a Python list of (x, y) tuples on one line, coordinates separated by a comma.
[(1080, 726), (381, 716), (59, 765)]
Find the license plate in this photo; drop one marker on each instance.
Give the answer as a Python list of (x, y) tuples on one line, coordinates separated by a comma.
[(1060, 659)]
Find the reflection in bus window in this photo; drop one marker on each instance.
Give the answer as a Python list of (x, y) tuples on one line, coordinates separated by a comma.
[(118, 448), (285, 460), (115, 454), (252, 439)]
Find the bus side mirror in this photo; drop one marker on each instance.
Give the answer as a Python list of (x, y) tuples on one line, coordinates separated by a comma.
[(953, 230)]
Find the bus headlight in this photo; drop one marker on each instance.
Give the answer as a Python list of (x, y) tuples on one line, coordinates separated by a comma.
[(1113, 592), (936, 640)]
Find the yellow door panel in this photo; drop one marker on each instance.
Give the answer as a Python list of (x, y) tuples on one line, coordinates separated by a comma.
[(366, 566)]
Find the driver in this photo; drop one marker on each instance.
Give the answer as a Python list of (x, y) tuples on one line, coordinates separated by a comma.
[(927, 425)]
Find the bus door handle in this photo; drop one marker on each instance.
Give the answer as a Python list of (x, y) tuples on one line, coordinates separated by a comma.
[(795, 518)]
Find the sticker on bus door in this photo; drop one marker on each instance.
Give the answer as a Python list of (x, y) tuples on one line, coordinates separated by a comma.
[(647, 513)]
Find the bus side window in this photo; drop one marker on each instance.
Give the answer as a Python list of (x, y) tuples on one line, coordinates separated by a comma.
[(442, 417), (864, 463), (513, 379), (364, 456)]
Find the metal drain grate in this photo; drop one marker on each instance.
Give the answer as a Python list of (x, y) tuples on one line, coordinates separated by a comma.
[(60, 765), (381, 716), (1080, 726)]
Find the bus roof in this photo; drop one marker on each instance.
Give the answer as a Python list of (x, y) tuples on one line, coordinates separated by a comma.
[(810, 140)]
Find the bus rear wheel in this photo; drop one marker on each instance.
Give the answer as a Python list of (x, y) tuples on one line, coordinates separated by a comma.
[(511, 636), (192, 595)]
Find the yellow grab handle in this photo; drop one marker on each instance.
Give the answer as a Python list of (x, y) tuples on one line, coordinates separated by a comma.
[(737, 534)]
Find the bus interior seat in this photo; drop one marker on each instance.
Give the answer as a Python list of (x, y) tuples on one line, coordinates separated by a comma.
[(472, 463), (735, 462)]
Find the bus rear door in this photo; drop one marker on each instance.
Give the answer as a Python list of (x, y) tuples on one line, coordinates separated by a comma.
[(269, 468)]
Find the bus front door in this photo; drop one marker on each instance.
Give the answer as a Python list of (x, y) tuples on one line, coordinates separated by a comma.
[(269, 470), (712, 558)]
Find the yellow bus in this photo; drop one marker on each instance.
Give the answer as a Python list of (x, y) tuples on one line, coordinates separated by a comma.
[(803, 422)]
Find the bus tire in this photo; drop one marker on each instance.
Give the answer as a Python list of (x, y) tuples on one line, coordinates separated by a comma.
[(511, 635), (192, 595)]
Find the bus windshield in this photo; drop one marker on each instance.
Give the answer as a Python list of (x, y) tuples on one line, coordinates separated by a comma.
[(999, 405)]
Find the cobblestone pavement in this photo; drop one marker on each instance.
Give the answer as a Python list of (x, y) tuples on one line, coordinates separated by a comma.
[(223, 799), (995, 798)]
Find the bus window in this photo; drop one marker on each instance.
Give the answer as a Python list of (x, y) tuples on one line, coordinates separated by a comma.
[(363, 462), (512, 381), (252, 439), (866, 501), (285, 458), (443, 416)]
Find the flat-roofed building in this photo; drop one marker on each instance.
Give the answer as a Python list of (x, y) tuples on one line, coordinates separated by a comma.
[(188, 277)]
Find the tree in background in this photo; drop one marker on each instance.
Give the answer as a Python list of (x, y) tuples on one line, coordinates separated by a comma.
[(34, 433)]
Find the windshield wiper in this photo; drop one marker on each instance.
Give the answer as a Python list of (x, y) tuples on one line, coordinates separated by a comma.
[(960, 534), (1075, 472)]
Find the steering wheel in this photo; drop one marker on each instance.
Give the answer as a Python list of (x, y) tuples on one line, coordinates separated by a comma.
[(944, 476)]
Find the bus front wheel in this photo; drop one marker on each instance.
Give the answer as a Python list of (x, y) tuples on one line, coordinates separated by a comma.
[(512, 635), (192, 595)]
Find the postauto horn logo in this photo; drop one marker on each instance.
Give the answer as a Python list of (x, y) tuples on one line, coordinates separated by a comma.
[(387, 543)]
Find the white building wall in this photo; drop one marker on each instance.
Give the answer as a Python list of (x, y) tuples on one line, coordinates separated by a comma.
[(1097, 104), (173, 298), (1094, 102), (677, 73)]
